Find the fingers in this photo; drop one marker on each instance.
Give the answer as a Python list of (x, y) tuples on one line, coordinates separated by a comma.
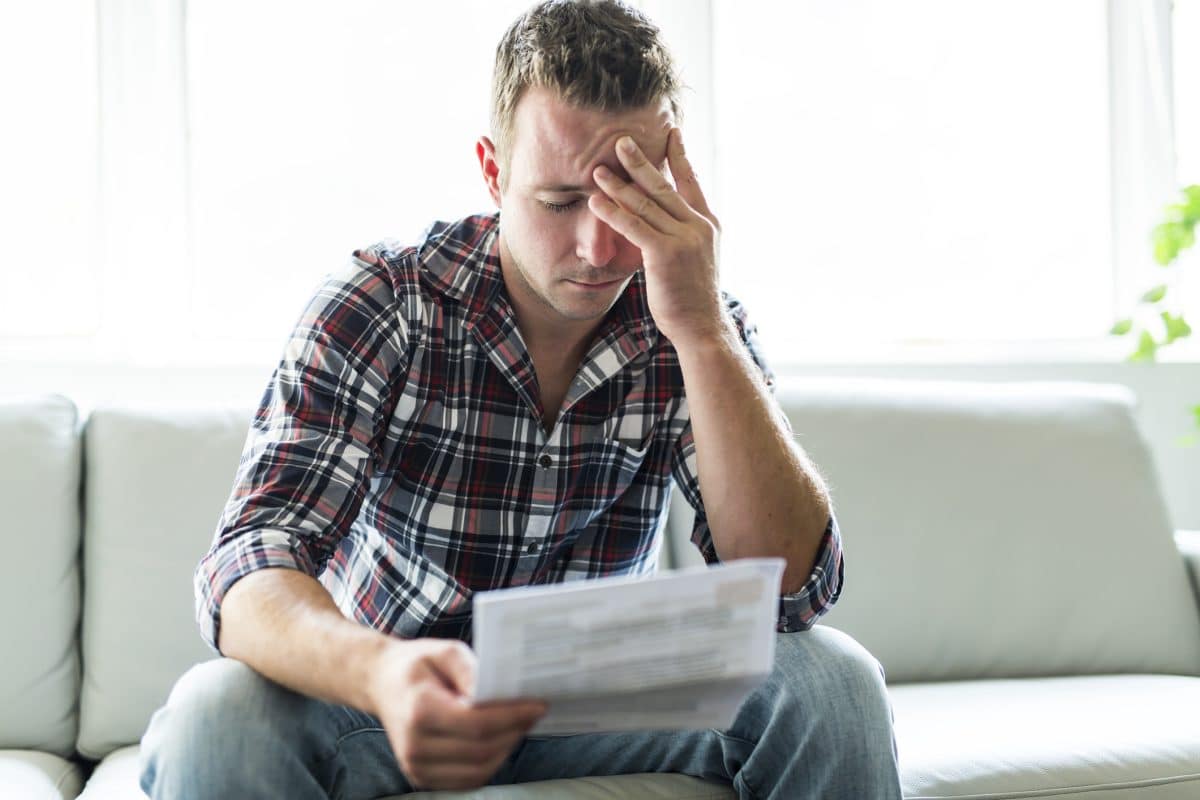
[(437, 711), (454, 779), (631, 226), (449, 763), (456, 746), (456, 666), (634, 199), (686, 181), (451, 749), (447, 776), (652, 182)]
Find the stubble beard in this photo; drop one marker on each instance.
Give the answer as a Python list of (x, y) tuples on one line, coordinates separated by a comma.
[(546, 302)]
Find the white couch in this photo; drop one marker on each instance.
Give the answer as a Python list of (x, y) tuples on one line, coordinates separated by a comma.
[(1008, 560)]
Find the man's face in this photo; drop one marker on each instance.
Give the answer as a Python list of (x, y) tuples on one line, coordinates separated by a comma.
[(561, 264)]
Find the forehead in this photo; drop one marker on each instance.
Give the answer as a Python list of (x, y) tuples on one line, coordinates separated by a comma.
[(554, 143)]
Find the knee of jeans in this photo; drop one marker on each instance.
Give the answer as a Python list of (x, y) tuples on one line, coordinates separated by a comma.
[(827, 663), (222, 695)]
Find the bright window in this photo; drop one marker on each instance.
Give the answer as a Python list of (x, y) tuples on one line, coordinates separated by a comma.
[(925, 171), (1186, 50), (50, 247), (179, 175), (321, 130)]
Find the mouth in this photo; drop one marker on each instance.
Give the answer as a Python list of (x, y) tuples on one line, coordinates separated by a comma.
[(597, 286)]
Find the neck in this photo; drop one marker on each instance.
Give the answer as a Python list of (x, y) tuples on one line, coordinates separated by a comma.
[(546, 333)]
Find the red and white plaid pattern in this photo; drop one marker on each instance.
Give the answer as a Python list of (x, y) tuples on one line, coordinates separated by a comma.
[(398, 453)]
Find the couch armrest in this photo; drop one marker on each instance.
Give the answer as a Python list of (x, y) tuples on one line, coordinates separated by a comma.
[(1188, 543)]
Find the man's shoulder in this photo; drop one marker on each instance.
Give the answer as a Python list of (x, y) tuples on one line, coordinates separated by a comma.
[(444, 259)]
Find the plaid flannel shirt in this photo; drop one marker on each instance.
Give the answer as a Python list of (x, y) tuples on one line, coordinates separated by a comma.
[(398, 453)]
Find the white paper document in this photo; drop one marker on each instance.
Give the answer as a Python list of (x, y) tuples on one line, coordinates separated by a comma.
[(680, 650)]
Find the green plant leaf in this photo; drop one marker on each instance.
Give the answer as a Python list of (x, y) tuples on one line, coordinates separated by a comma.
[(1177, 212), (1147, 348), (1192, 193), (1196, 413), (1177, 328), (1167, 242), (1156, 294), (1121, 328)]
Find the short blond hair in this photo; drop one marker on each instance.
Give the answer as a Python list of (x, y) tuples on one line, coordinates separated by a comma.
[(599, 54)]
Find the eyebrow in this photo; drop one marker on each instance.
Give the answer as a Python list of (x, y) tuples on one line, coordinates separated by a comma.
[(566, 188), (561, 188)]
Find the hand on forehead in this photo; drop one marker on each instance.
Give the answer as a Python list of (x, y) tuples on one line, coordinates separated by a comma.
[(557, 146)]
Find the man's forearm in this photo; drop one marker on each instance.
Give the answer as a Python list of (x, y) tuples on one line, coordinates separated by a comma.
[(761, 494), (284, 624)]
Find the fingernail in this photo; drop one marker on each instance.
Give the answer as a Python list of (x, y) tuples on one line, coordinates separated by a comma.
[(603, 171), (626, 144)]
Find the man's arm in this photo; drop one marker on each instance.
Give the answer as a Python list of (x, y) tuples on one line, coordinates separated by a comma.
[(762, 497), (283, 624), (300, 484)]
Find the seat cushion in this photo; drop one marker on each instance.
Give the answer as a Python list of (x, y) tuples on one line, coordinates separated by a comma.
[(39, 595), (30, 775), (116, 778), (1122, 737), (998, 530), (1096, 738), (156, 484), (611, 787)]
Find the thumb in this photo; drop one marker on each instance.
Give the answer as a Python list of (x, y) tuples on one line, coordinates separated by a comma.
[(457, 666)]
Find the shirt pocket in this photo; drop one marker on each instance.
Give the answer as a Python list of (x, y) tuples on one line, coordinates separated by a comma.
[(632, 431), (432, 602), (598, 475)]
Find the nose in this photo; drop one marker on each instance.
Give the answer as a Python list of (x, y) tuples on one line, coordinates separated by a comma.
[(596, 243)]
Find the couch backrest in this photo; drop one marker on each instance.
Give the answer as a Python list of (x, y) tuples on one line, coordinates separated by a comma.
[(39, 593), (998, 530), (991, 530), (155, 487)]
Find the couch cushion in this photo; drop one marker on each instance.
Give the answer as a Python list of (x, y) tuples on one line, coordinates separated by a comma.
[(1095, 737), (116, 778), (155, 488), (30, 775), (998, 529), (39, 595), (1188, 543), (643, 786)]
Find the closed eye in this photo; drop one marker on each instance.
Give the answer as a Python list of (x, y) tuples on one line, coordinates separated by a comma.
[(560, 208)]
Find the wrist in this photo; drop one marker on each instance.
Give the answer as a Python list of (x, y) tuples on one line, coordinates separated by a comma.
[(369, 673), (717, 337)]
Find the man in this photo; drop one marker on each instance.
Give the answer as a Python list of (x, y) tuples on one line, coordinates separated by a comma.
[(507, 403)]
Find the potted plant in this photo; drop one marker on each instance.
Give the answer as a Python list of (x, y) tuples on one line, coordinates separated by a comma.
[(1174, 235)]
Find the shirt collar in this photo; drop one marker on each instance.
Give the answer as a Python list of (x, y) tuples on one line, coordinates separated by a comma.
[(461, 261)]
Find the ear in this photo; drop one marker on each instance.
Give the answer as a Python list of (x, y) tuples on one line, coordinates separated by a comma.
[(489, 166)]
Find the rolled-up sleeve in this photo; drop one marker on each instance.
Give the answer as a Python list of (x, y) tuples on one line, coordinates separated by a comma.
[(318, 431), (799, 610)]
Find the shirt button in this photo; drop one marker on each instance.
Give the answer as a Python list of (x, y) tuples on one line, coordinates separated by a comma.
[(532, 548), (545, 461)]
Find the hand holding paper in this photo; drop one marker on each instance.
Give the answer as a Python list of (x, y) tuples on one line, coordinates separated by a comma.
[(677, 651)]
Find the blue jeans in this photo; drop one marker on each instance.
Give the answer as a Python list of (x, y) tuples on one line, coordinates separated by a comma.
[(819, 727)]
